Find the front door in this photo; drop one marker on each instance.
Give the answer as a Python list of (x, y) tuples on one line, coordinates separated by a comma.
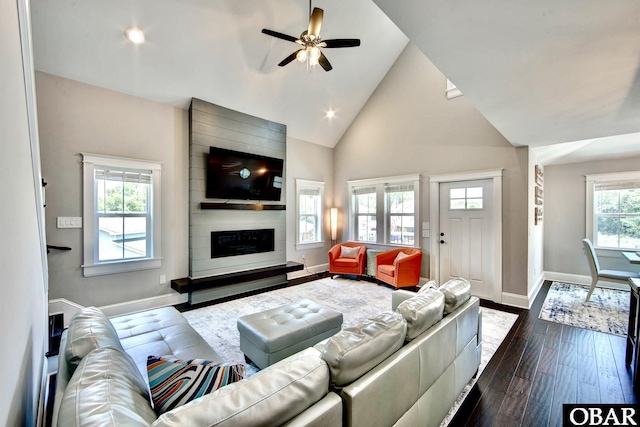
[(466, 234)]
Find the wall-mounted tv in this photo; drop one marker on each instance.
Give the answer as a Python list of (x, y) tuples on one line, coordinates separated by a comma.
[(236, 175)]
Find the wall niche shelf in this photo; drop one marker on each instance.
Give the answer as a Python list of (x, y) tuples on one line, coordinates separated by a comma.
[(242, 206)]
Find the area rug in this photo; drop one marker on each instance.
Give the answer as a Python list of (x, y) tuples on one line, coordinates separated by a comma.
[(357, 300), (607, 310)]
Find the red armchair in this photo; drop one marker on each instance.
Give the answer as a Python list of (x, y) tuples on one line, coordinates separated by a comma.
[(401, 273), (352, 263)]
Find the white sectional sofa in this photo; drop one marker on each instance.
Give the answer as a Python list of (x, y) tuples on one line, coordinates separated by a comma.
[(403, 368)]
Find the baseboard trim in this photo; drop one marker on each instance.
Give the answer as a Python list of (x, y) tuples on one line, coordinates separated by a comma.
[(144, 304), (516, 300), (308, 271), (69, 308), (581, 280), (535, 290)]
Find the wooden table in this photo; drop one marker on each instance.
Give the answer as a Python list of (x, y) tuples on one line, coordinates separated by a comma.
[(632, 257)]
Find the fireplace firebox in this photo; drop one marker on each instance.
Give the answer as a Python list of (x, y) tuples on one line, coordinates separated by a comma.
[(241, 242)]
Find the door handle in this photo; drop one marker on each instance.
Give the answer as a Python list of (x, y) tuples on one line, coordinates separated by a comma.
[(442, 234), (442, 241)]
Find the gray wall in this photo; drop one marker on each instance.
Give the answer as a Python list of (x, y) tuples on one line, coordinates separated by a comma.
[(313, 162), (23, 310), (75, 117), (408, 126), (565, 215), (216, 126)]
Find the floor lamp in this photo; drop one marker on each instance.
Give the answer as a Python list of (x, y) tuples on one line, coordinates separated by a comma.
[(334, 225)]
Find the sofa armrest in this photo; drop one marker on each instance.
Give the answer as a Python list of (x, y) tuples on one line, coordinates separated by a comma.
[(397, 297), (334, 252)]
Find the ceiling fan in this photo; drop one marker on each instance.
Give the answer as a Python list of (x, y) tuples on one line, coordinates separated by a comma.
[(311, 42)]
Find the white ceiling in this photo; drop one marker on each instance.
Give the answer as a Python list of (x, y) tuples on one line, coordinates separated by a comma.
[(543, 72), (214, 50)]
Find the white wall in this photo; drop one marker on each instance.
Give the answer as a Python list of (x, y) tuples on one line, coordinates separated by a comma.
[(565, 215), (23, 310), (75, 117), (408, 126), (535, 265), (313, 162)]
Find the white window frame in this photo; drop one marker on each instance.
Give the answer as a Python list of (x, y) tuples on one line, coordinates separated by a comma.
[(590, 203), (302, 184), (92, 266), (383, 215)]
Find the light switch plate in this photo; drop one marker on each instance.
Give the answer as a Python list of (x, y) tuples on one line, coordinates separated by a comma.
[(69, 222), (425, 233)]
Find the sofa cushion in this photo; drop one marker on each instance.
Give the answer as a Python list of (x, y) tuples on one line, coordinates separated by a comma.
[(456, 292), (106, 390), (422, 311), (345, 262), (176, 382), (431, 284), (163, 332), (389, 270), (356, 350), (88, 329), (271, 397)]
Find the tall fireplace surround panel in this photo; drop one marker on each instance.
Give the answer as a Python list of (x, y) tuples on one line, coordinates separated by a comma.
[(213, 125)]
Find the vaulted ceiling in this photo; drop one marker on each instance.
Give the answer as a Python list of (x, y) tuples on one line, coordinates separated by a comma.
[(560, 76), (214, 50)]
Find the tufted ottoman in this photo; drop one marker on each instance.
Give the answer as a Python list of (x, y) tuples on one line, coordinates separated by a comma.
[(272, 335)]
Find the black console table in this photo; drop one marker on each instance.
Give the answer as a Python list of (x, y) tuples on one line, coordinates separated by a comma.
[(633, 333)]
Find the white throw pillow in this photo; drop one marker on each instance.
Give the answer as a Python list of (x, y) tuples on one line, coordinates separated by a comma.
[(399, 257), (349, 252)]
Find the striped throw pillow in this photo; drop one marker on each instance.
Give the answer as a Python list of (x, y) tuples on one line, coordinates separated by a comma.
[(176, 382)]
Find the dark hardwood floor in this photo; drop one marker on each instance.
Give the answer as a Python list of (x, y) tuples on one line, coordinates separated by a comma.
[(542, 365)]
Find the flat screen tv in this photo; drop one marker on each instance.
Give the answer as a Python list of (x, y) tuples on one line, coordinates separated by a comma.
[(236, 175)]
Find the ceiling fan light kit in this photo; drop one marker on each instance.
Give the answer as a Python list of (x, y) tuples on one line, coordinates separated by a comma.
[(311, 43)]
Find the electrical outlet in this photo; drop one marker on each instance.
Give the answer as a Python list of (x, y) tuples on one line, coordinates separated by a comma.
[(163, 279)]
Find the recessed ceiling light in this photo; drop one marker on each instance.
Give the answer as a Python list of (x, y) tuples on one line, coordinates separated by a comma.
[(134, 35), (331, 114)]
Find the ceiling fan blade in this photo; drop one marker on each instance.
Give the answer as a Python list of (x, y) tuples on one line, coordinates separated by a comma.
[(289, 58), (324, 62), (279, 35), (315, 22), (341, 43)]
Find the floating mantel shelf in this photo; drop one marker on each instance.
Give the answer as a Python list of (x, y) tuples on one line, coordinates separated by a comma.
[(189, 285), (243, 206)]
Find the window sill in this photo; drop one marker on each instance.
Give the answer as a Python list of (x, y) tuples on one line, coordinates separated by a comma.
[(121, 267), (312, 245), (374, 245)]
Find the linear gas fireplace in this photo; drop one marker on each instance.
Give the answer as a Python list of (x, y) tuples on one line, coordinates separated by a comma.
[(241, 242)]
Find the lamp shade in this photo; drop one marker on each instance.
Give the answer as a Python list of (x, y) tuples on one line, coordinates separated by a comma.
[(334, 223)]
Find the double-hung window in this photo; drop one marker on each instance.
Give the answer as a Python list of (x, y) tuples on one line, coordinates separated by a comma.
[(310, 213), (384, 210), (613, 210), (365, 208), (401, 213), (121, 215)]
